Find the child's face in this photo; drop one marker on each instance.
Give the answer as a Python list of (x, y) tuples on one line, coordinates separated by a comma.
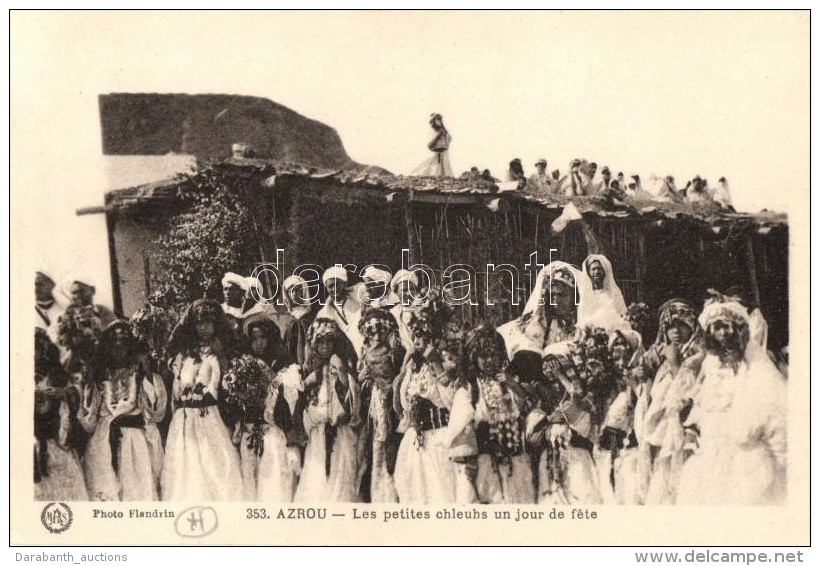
[(377, 335), (297, 294), (449, 361), (420, 343), (679, 332), (324, 348), (407, 290), (488, 363), (259, 341), (205, 329)]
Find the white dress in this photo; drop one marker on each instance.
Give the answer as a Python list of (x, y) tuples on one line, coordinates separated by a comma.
[(662, 429), (140, 454), (495, 482), (201, 461), (329, 473), (566, 475), (424, 472), (741, 457), (268, 469), (438, 164), (620, 479)]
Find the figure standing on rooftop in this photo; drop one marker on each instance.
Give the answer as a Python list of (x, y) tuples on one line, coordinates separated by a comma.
[(439, 163), (540, 182)]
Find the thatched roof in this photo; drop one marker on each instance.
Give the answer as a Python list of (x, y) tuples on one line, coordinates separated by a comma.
[(378, 184)]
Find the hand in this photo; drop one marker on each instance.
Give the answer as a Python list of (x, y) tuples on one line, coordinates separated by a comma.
[(312, 378), (54, 392), (431, 354), (690, 439), (294, 461), (88, 396), (672, 352), (340, 419), (552, 365)]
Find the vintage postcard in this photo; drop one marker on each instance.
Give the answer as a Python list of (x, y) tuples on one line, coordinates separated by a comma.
[(478, 278)]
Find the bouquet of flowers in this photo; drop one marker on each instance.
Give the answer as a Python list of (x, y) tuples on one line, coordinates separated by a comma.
[(79, 326), (639, 317), (420, 412), (246, 384), (595, 366), (152, 326)]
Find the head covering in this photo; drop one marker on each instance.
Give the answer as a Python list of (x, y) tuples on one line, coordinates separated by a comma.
[(323, 328), (422, 324), (102, 356), (184, 338), (403, 275), (723, 310), (287, 285), (47, 276), (291, 282), (275, 353), (81, 278), (541, 161), (432, 317), (235, 279), (721, 307), (526, 332), (613, 300), (261, 321), (632, 338), (335, 272), (675, 310), (377, 319), (484, 340), (605, 170), (251, 284), (375, 274)]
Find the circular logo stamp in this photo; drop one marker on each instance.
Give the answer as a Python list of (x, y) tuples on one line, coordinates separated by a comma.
[(56, 517)]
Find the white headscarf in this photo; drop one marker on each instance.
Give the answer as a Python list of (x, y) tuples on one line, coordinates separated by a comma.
[(715, 309), (290, 282), (81, 278), (335, 272), (610, 288), (235, 279), (527, 332)]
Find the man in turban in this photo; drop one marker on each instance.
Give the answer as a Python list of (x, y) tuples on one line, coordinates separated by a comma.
[(46, 307)]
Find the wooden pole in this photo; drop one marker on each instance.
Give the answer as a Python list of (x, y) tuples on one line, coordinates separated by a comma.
[(750, 256), (111, 226), (640, 260), (408, 220)]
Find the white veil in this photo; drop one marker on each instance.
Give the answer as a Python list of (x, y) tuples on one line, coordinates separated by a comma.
[(526, 332), (610, 286)]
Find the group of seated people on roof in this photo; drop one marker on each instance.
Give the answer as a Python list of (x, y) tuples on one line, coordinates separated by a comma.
[(584, 179)]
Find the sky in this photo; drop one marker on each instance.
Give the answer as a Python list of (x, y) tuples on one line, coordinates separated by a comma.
[(681, 93)]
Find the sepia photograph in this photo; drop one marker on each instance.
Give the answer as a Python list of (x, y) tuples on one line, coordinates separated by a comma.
[(310, 278)]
